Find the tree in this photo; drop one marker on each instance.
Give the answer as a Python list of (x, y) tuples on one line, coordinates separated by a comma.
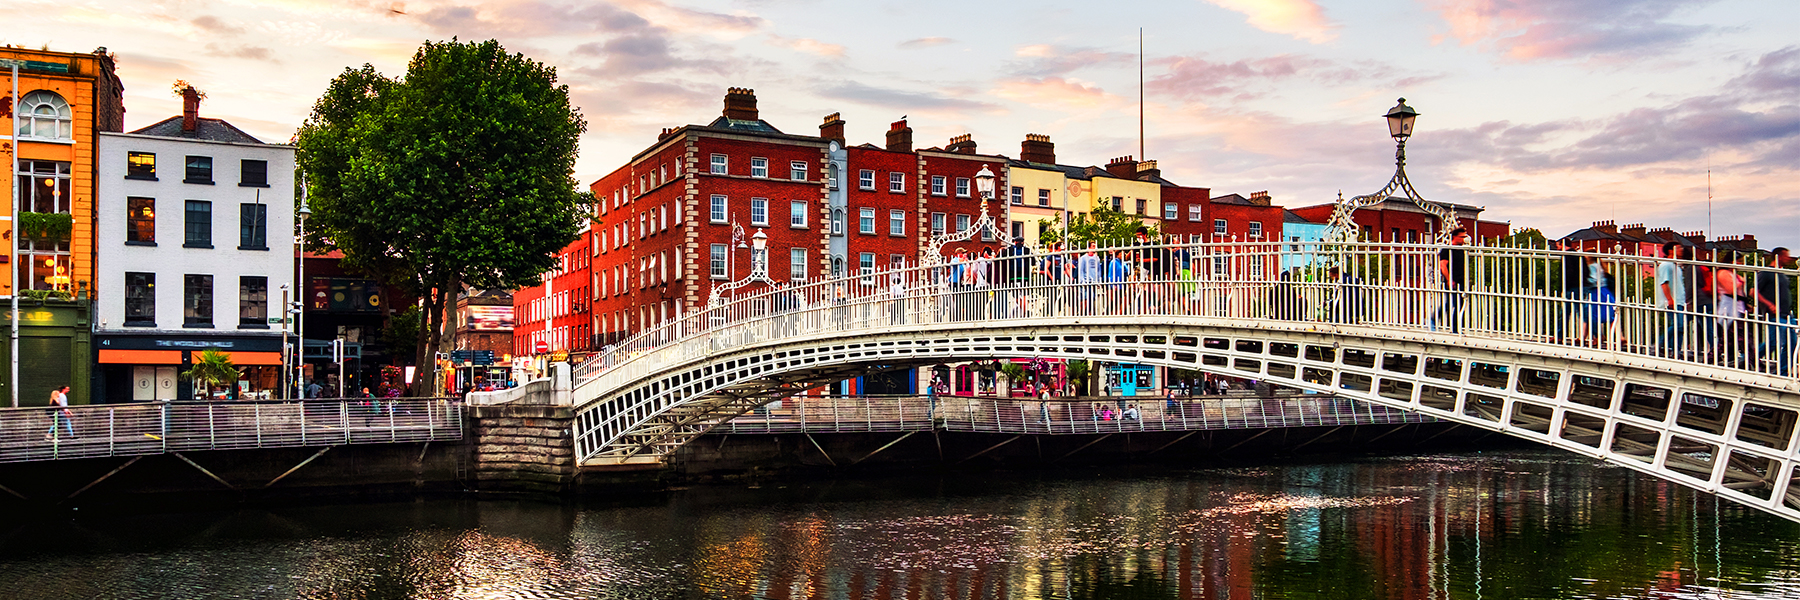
[(1104, 226), (213, 368), (460, 173)]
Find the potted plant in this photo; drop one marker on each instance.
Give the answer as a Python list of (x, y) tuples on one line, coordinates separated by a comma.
[(212, 368)]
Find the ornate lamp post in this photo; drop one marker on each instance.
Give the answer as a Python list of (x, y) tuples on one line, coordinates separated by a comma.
[(984, 185), (759, 264), (1400, 127)]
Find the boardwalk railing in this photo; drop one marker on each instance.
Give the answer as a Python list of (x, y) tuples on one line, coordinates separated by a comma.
[(1725, 313), (997, 415), (29, 434)]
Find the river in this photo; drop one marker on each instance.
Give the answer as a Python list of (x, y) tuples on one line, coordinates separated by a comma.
[(1502, 525)]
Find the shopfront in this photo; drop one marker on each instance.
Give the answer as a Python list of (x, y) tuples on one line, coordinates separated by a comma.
[(1130, 380), (147, 367)]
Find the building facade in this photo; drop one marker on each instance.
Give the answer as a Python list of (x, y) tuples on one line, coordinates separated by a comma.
[(194, 238)]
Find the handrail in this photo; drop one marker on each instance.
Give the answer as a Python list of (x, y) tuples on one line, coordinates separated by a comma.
[(1513, 294), (967, 414), (87, 431)]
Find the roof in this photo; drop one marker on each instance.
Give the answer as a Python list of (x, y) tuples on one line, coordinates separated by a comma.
[(1070, 171), (1234, 199), (211, 130), (1288, 216), (757, 126)]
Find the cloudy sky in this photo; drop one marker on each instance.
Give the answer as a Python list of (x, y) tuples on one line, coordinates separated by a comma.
[(1551, 113)]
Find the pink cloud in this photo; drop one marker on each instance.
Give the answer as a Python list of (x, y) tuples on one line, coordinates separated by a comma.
[(1303, 19), (1527, 30)]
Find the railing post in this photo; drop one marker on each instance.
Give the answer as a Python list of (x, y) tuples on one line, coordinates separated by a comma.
[(112, 432), (344, 418), (256, 411)]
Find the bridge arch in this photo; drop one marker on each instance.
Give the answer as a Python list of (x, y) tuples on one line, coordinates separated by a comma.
[(1728, 431)]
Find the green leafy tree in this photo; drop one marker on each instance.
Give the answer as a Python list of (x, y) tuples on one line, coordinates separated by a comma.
[(458, 174), (1105, 226), (213, 368)]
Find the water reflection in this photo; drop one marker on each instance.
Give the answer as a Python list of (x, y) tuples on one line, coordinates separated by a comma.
[(1510, 525)]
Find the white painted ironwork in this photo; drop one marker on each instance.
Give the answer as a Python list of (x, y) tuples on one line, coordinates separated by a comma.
[(30, 434), (759, 265), (934, 247), (1704, 394), (1341, 228)]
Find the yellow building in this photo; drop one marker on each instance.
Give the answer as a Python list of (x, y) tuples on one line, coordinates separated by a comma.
[(1043, 191), (64, 100)]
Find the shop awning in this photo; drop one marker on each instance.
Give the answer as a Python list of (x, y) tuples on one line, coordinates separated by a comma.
[(141, 357), (255, 358)]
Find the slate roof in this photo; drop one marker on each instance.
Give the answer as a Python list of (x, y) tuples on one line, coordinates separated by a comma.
[(757, 126), (1288, 216), (211, 130)]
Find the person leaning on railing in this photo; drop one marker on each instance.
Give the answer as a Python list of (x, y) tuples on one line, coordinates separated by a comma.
[(1775, 296)]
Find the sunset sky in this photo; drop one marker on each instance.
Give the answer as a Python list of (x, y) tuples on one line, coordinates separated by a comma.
[(1551, 113)]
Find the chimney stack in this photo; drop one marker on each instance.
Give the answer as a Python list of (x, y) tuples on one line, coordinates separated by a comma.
[(899, 137), (833, 129), (190, 109), (962, 144), (1606, 227), (1634, 229), (1124, 166), (1037, 148), (1147, 170), (1260, 198), (740, 104)]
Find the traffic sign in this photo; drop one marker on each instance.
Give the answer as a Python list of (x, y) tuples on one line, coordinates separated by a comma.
[(543, 346)]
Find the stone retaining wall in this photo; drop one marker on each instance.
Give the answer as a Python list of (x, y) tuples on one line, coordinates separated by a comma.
[(522, 447)]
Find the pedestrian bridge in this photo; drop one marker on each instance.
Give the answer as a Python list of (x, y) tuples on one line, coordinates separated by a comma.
[(1702, 397)]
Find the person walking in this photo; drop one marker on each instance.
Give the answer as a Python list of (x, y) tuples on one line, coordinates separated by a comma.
[(1452, 265), (1574, 274), (59, 402), (1090, 274), (1671, 297), (1775, 296), (1018, 277), (1600, 306)]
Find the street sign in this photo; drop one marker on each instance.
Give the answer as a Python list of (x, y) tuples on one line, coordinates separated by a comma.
[(543, 346), (277, 321)]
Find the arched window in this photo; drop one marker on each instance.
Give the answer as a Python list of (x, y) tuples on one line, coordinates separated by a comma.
[(46, 116)]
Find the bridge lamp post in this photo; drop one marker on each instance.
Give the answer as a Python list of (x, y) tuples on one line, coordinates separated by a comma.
[(1342, 228), (1400, 126), (302, 291)]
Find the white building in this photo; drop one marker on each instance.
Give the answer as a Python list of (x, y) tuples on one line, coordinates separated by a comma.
[(194, 245)]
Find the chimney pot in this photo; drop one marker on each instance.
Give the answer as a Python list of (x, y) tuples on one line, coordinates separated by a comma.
[(190, 109), (833, 128), (1037, 148), (899, 137), (740, 104), (962, 144)]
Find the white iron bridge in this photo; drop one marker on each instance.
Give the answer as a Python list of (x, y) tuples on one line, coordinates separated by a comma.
[(1572, 350)]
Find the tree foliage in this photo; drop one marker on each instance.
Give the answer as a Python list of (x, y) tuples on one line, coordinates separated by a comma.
[(458, 173), (213, 368), (1104, 226)]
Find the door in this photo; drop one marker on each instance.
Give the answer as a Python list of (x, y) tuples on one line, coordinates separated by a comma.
[(165, 383), (143, 384)]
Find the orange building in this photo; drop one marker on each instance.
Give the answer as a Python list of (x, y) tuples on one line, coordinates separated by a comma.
[(64, 101)]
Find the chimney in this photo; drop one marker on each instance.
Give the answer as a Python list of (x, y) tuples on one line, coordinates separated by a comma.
[(190, 109), (1147, 170), (1606, 227), (1698, 238), (962, 144), (1747, 242), (1260, 198), (1037, 148), (1124, 166), (666, 132), (899, 137), (833, 129), (1634, 229), (740, 104)]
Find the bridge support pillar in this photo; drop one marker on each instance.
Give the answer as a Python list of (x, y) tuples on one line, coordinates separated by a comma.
[(525, 448)]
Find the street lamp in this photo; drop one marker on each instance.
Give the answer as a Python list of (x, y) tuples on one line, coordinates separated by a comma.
[(1400, 127), (759, 257), (300, 288), (984, 181)]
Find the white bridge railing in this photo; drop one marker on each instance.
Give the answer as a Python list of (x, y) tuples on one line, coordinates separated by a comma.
[(30, 434), (1001, 415), (1732, 318)]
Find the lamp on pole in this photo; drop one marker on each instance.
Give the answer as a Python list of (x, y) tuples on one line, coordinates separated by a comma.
[(1400, 120), (301, 289), (17, 195)]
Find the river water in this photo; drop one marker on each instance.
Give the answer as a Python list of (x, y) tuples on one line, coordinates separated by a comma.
[(1513, 524)]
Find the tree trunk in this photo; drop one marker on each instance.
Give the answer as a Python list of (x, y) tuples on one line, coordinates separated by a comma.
[(444, 329), (425, 363)]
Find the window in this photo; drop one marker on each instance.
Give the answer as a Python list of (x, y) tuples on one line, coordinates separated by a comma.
[(1171, 212), (140, 299), (1218, 227), (759, 211), (865, 222), (1018, 195), (140, 165), (837, 221), (937, 223), (937, 185), (797, 264), (962, 187), (1256, 268), (865, 263), (45, 115), (253, 173), (196, 305), (1018, 229), (1395, 235), (759, 167), (1220, 267), (797, 170), (199, 224), (865, 179), (1118, 203), (1255, 229), (49, 185), (253, 227), (896, 222), (1141, 205), (897, 182), (1043, 197), (140, 221), (717, 215), (717, 261), (718, 164), (797, 214), (1194, 213), (1195, 238), (253, 302), (962, 223), (199, 170)]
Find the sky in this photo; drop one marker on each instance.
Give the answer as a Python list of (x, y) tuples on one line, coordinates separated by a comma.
[(1552, 114)]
